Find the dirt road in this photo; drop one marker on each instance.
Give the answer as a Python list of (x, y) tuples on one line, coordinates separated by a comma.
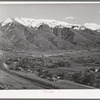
[(35, 82)]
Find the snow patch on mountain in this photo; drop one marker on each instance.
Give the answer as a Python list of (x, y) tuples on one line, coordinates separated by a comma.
[(24, 21), (9, 20), (36, 22), (92, 26)]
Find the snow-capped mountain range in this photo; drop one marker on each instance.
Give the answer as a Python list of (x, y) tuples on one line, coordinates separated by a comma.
[(29, 22), (45, 34)]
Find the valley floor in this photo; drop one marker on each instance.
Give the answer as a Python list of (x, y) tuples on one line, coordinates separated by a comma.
[(79, 61)]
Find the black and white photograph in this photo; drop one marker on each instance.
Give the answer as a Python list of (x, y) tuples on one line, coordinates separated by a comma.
[(49, 46)]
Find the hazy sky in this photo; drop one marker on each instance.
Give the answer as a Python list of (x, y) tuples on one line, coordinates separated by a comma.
[(71, 13)]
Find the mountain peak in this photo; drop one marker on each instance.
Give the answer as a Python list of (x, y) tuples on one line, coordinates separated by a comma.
[(8, 20)]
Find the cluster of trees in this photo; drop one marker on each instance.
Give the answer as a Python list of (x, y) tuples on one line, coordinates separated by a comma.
[(84, 77), (35, 62)]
